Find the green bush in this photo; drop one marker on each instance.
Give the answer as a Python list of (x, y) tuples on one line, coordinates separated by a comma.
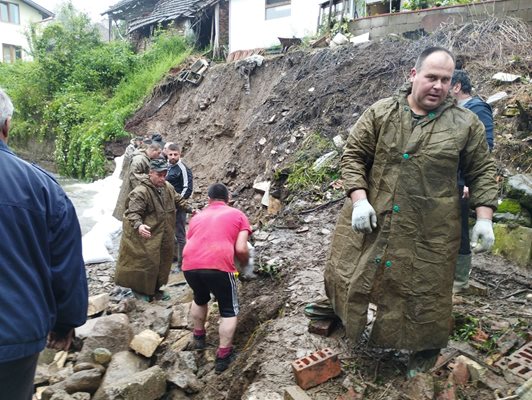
[(79, 91)]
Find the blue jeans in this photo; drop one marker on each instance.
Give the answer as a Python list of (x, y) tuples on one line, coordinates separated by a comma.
[(16, 378)]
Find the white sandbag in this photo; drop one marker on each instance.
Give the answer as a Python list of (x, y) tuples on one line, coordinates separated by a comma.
[(94, 250)]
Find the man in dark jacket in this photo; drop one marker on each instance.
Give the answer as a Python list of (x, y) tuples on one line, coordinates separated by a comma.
[(43, 286), (461, 89), (180, 176)]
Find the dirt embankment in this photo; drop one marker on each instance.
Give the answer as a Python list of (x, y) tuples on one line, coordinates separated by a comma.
[(234, 137)]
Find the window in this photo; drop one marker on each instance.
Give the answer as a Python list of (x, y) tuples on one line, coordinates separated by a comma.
[(9, 12), (11, 53), (277, 8)]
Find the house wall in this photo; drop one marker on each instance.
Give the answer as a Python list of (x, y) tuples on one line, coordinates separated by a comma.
[(249, 29), (13, 34), (430, 19)]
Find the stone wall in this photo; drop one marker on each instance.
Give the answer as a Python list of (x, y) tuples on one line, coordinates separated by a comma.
[(430, 19)]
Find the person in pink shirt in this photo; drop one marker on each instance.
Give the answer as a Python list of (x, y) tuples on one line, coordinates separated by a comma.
[(215, 236)]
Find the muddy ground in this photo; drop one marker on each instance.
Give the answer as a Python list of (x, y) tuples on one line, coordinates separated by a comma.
[(273, 330), (238, 138)]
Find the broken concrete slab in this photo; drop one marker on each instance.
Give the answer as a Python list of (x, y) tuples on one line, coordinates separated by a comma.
[(496, 97), (505, 77)]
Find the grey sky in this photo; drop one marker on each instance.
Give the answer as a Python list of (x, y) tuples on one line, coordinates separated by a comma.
[(92, 7)]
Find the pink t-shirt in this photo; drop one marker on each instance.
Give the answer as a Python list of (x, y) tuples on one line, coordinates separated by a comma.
[(211, 238)]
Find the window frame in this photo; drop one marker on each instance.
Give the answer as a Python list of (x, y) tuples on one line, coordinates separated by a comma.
[(15, 53), (277, 4), (12, 17)]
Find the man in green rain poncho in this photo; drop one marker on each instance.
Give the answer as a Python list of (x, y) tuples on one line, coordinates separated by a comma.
[(397, 237)]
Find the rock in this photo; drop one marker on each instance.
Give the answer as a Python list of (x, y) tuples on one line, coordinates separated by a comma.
[(83, 381), (275, 206), (180, 315), (145, 343), (176, 394), (125, 306), (514, 243), (81, 396), (187, 360), (185, 379), (87, 366), (61, 395), (519, 187), (122, 366), (338, 40), (101, 356), (339, 141), (184, 119), (158, 319), (262, 141), (145, 385), (111, 332), (449, 391), (420, 387), (97, 304)]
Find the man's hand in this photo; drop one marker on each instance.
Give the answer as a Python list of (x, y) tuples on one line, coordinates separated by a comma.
[(363, 218), (60, 341), (482, 237), (144, 231)]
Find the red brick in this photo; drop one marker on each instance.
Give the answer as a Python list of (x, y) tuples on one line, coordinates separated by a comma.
[(316, 368), (519, 363), (460, 373), (322, 327)]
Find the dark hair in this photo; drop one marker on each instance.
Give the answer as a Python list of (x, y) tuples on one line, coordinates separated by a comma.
[(174, 147), (428, 51), (218, 191), (461, 77)]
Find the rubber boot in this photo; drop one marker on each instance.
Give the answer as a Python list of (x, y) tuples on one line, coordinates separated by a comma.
[(461, 273), (421, 361), (179, 248)]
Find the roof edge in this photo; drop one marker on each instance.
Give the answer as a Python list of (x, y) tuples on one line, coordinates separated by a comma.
[(43, 11)]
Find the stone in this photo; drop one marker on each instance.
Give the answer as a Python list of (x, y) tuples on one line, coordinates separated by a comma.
[(339, 141), (275, 206), (111, 332), (123, 365), (145, 385), (86, 366), (448, 392), (98, 304), (186, 380), (101, 356), (61, 395), (515, 243), (83, 381), (180, 315), (146, 342), (81, 396), (519, 187), (158, 319)]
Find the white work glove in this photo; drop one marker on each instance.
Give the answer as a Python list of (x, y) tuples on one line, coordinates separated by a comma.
[(482, 237), (363, 218)]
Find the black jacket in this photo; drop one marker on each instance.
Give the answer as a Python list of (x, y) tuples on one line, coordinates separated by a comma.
[(180, 176)]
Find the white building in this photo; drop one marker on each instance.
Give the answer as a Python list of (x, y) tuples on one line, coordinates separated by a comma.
[(15, 18), (259, 23)]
